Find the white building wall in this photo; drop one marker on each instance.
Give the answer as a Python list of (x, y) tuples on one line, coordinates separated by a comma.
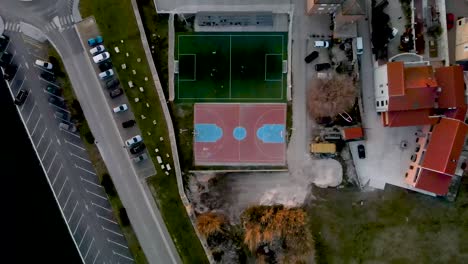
[(381, 88)]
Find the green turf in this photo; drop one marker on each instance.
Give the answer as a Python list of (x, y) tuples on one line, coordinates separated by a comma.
[(235, 67)]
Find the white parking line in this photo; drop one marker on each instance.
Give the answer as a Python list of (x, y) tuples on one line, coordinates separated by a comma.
[(66, 202), (83, 159), (68, 221), (56, 175), (27, 65), (79, 221), (86, 231), (85, 169), (87, 251), (63, 109), (52, 162), (16, 74), (35, 126), (51, 94), (111, 241), (29, 92), (42, 136), (73, 134), (63, 185), (115, 253), (43, 69), (51, 83), (66, 141), (102, 217), (47, 149), (97, 185), (59, 118), (99, 251), (102, 197), (97, 205), (32, 110), (117, 233)]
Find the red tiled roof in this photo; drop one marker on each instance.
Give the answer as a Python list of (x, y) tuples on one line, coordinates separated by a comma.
[(450, 79), (445, 146), (408, 118), (353, 133), (433, 182), (459, 113)]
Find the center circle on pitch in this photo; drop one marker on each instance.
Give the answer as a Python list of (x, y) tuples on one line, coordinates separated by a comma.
[(239, 133)]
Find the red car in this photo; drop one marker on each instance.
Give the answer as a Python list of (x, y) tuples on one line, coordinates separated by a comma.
[(450, 21)]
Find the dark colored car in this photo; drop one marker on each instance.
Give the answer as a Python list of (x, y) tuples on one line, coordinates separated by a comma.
[(105, 66), (5, 59), (311, 57), (10, 72), (112, 83), (62, 115), (450, 21), (361, 151), (53, 90), (128, 123), (48, 76), (138, 148), (55, 101), (21, 97), (3, 42), (116, 93), (322, 66)]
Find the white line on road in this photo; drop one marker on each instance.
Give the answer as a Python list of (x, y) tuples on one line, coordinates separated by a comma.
[(32, 110), (42, 136), (16, 74), (25, 100), (107, 209), (51, 94), (102, 197), (73, 134), (52, 162), (111, 241), (58, 140), (66, 141), (35, 126), (27, 65), (56, 175), (87, 251), (97, 185), (63, 185), (51, 83), (82, 238), (99, 216), (115, 253), (66, 202), (56, 106), (79, 221), (59, 118), (83, 159), (68, 221), (99, 251), (85, 169), (47, 149), (117, 233)]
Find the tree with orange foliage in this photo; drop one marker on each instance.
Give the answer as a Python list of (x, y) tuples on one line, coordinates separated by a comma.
[(210, 223)]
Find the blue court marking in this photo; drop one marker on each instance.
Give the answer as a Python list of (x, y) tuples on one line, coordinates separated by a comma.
[(271, 133), (207, 133), (239, 133)]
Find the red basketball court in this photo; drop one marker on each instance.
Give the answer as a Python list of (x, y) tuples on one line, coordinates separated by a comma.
[(240, 134)]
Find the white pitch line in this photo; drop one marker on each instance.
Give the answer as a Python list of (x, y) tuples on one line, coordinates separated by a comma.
[(56, 175), (87, 251), (35, 126), (66, 141), (99, 251), (52, 162), (111, 241), (117, 233), (79, 221), (63, 185), (82, 238), (97, 205), (97, 185), (97, 195), (47, 149), (115, 253), (88, 171), (73, 134), (32, 110), (42, 136), (66, 202), (99, 216), (71, 215), (83, 159)]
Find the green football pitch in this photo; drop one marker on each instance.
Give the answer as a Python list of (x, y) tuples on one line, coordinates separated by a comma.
[(220, 67)]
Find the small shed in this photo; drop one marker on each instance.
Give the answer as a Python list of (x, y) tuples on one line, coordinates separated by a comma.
[(352, 133)]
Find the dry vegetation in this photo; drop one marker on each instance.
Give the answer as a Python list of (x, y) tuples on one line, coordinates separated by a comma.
[(211, 223)]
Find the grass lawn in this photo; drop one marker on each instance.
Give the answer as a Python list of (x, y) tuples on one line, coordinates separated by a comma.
[(391, 226), (117, 23)]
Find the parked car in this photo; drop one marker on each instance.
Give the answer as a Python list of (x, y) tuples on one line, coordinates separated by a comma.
[(361, 151), (106, 74), (48, 76), (3, 42), (393, 33), (128, 123), (56, 101), (101, 57), (21, 96), (95, 41), (67, 127), (132, 141), (140, 158), (321, 44), (450, 21), (116, 93), (137, 148), (62, 115), (44, 64), (10, 72), (97, 49), (322, 66), (112, 83), (5, 59), (311, 57), (120, 108), (104, 66), (53, 90)]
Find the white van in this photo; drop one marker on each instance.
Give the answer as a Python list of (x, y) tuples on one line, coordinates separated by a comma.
[(359, 47)]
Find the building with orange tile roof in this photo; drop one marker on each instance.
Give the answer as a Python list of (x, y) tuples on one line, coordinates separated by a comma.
[(352, 133)]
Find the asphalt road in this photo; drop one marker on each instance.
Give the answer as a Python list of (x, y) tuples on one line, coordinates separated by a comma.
[(82, 200)]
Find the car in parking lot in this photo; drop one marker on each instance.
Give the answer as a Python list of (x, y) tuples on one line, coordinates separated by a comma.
[(56, 101), (116, 93), (95, 41), (101, 57), (21, 96), (120, 108), (104, 66), (361, 151), (128, 123), (137, 148), (97, 49), (311, 57), (67, 127), (3, 42), (62, 115), (5, 59), (133, 140), (112, 83), (322, 66), (106, 74), (44, 64), (321, 44), (53, 90), (48, 76), (140, 158), (10, 71)]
